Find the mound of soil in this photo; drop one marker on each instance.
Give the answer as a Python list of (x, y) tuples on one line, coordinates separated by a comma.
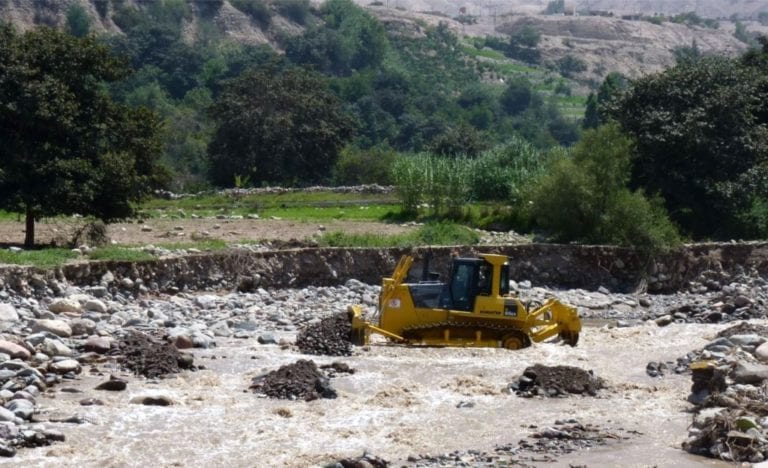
[(364, 461), (329, 337), (149, 356), (744, 328), (554, 381), (300, 380)]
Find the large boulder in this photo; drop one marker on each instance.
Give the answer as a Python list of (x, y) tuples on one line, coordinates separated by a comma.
[(57, 327), (62, 305)]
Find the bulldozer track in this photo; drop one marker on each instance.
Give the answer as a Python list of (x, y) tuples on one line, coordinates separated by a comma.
[(410, 332)]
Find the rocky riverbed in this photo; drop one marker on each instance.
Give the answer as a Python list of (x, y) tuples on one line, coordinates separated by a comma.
[(216, 380)]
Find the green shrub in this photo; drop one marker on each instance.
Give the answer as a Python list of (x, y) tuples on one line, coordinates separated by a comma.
[(570, 65), (126, 17), (296, 10), (102, 7), (370, 166), (78, 21), (755, 220), (584, 198), (443, 233), (256, 9)]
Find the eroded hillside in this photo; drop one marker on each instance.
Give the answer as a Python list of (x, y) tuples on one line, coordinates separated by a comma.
[(604, 44)]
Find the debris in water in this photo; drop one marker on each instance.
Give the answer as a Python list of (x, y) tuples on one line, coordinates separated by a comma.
[(540, 380), (301, 380), (148, 356), (364, 461), (329, 337)]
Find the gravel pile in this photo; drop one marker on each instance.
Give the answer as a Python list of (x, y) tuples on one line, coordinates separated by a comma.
[(150, 357), (556, 381), (301, 380), (329, 337)]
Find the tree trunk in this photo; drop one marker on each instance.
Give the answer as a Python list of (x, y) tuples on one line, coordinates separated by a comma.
[(29, 237)]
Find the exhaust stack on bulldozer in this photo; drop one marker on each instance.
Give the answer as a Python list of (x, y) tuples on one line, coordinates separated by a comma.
[(474, 308)]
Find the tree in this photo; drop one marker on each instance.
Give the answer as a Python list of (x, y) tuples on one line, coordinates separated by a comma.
[(702, 142), (461, 140), (67, 147), (78, 22), (517, 97), (595, 113), (523, 45), (277, 125), (591, 113), (584, 198)]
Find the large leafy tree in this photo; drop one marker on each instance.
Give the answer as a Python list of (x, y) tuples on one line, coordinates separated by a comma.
[(701, 129), (67, 147), (277, 125)]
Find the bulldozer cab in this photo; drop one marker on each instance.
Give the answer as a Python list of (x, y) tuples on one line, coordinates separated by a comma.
[(473, 277)]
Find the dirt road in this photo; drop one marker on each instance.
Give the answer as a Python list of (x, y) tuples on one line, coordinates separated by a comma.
[(157, 231)]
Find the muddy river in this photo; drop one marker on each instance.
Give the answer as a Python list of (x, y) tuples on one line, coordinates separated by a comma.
[(400, 402)]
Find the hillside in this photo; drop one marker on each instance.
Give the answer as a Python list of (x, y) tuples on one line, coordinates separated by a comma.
[(605, 44)]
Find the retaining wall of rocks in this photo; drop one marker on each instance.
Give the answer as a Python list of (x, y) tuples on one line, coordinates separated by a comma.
[(561, 266)]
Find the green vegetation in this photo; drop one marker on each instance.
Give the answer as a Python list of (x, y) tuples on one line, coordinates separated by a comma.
[(43, 258), (67, 147), (300, 126), (256, 9), (78, 22), (429, 234), (297, 11), (585, 198), (119, 254), (447, 184), (471, 131), (701, 142), (555, 7)]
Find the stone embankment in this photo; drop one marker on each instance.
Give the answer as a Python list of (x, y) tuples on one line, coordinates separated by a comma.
[(557, 266)]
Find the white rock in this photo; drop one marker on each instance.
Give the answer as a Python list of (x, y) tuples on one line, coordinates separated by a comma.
[(8, 313), (57, 327), (64, 366), (55, 348), (96, 305), (64, 305), (761, 352)]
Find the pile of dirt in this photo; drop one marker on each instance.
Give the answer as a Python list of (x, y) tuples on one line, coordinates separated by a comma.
[(329, 337), (366, 460), (554, 381), (337, 368), (301, 380), (149, 356)]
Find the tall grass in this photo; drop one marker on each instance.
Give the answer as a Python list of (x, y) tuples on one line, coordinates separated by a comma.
[(447, 184), (440, 182), (438, 233)]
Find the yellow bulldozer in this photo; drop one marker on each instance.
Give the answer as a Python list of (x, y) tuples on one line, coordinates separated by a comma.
[(474, 308)]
